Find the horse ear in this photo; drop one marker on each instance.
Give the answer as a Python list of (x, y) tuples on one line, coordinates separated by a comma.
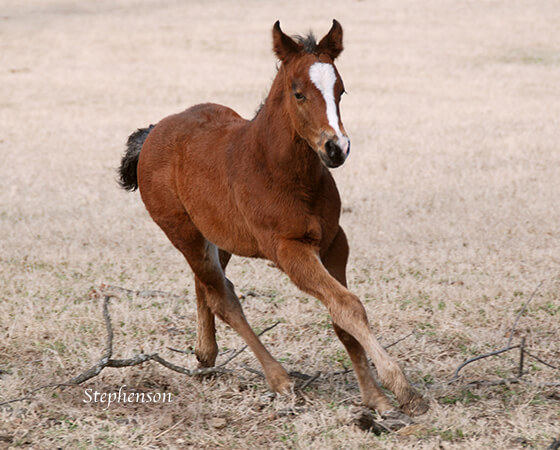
[(284, 46), (331, 44)]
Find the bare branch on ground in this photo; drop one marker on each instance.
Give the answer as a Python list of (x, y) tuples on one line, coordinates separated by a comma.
[(107, 361), (111, 291), (520, 313), (508, 347), (140, 358)]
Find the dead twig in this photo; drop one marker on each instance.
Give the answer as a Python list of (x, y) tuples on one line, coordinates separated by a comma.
[(399, 340), (310, 380), (299, 375), (110, 290), (476, 358), (254, 371), (235, 353), (515, 380), (140, 358), (184, 352), (521, 358), (238, 352), (508, 347), (341, 372), (541, 361), (519, 314), (107, 361), (104, 361), (171, 428), (493, 382), (31, 392), (189, 372)]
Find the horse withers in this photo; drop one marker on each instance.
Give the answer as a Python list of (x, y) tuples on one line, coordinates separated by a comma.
[(218, 185)]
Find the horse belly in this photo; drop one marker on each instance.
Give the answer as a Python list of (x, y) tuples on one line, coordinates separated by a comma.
[(221, 224), (231, 238)]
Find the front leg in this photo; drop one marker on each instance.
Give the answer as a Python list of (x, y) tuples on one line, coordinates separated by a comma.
[(335, 260), (302, 264)]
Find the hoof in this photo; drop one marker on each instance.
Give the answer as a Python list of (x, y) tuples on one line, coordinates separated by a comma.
[(279, 381), (205, 360), (391, 421), (205, 364), (267, 398), (394, 420), (416, 407), (283, 387)]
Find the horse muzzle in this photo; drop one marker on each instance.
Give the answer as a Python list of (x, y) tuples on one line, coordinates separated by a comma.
[(335, 152)]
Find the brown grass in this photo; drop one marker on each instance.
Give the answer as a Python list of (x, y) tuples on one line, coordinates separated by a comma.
[(451, 207)]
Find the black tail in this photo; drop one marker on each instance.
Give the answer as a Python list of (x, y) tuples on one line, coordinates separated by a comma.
[(128, 178)]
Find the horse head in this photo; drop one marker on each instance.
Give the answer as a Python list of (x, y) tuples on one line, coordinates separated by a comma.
[(314, 89)]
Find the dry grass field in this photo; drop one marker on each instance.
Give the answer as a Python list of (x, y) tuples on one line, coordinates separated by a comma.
[(451, 205)]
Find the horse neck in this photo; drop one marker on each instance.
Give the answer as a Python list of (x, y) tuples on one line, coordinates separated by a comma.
[(284, 152)]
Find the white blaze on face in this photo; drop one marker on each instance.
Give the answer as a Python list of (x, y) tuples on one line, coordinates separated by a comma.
[(323, 77)]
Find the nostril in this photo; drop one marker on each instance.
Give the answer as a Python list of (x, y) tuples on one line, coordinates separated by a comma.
[(348, 149), (330, 148), (334, 153)]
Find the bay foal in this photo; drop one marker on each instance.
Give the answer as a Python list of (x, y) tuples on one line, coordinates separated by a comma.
[(218, 185)]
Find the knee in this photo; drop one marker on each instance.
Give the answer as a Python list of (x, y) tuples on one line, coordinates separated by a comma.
[(348, 310), (225, 305), (214, 296)]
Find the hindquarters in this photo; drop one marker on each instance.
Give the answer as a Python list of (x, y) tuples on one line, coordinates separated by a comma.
[(188, 167), (128, 176)]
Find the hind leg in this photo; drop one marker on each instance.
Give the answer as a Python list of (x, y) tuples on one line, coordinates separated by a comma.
[(206, 348), (182, 233), (221, 299), (215, 292)]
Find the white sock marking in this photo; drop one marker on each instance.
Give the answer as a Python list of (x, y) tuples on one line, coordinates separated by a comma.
[(323, 77)]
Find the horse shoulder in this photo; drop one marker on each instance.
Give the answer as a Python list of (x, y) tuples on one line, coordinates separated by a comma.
[(274, 214)]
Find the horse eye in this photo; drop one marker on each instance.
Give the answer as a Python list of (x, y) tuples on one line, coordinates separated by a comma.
[(299, 96)]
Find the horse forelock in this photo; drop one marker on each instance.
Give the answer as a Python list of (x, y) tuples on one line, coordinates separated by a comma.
[(308, 42), (309, 46)]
